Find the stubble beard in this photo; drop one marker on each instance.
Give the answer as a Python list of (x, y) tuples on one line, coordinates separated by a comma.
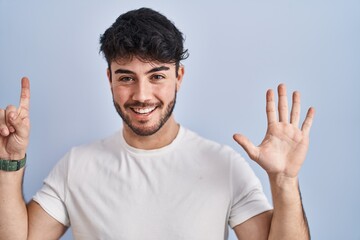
[(146, 131)]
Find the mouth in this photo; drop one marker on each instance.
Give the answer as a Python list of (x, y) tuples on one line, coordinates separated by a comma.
[(143, 110)]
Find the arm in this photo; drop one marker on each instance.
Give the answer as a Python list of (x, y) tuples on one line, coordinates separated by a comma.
[(41, 225), (281, 154), (18, 221), (13, 220), (14, 137)]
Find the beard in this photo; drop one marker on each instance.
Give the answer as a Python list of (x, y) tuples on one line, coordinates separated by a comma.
[(146, 131)]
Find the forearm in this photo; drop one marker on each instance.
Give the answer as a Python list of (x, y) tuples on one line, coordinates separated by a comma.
[(13, 212), (289, 220)]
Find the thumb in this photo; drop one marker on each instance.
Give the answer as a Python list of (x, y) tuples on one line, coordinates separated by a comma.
[(247, 145)]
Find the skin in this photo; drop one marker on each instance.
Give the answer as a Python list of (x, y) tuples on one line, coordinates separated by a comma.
[(142, 85), (281, 154), (154, 85)]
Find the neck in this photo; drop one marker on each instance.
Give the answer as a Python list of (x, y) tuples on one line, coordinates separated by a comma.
[(160, 139)]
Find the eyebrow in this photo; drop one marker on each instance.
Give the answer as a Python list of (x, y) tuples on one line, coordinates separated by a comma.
[(156, 69), (123, 71)]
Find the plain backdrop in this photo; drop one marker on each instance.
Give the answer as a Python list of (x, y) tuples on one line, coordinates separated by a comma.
[(238, 49)]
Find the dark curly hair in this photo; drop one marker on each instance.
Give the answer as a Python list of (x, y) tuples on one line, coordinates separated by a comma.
[(146, 34)]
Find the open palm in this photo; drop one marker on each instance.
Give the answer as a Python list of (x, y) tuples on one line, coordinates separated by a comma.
[(285, 145)]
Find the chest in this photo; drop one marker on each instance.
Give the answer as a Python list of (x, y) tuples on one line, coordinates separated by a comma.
[(135, 200)]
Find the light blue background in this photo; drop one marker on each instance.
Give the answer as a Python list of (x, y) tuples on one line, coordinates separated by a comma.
[(238, 49)]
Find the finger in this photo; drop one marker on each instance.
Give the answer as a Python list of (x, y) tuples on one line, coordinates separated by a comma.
[(10, 115), (248, 146), (25, 94), (270, 107), (19, 123), (283, 103), (295, 109), (308, 121), (4, 131)]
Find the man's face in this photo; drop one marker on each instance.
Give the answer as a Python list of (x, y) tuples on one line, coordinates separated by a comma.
[(144, 93)]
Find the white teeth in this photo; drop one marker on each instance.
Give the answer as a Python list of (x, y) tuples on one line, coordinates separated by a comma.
[(143, 110)]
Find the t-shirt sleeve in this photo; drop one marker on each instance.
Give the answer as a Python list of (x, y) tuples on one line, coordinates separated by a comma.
[(51, 197), (248, 198)]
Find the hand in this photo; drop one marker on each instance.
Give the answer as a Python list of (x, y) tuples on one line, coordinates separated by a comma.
[(284, 147), (15, 126)]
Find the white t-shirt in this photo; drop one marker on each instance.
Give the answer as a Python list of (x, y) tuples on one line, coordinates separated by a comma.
[(191, 190)]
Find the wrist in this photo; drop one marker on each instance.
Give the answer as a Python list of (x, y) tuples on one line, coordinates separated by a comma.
[(283, 181), (9, 165), (14, 157), (285, 189)]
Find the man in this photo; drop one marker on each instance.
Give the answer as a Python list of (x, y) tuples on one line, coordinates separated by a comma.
[(155, 179)]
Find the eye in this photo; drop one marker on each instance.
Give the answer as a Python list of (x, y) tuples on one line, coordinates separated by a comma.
[(126, 79), (157, 77)]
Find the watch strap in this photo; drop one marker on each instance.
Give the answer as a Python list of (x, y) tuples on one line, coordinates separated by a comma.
[(12, 165)]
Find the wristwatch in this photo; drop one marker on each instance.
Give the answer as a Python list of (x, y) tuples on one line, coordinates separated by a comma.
[(12, 165)]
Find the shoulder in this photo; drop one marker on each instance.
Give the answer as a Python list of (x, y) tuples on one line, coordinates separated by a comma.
[(195, 143), (104, 148), (192, 138), (108, 144)]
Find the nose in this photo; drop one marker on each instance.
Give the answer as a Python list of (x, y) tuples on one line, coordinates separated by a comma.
[(142, 91)]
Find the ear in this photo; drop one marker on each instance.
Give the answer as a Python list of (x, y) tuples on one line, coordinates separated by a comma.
[(108, 73), (181, 72)]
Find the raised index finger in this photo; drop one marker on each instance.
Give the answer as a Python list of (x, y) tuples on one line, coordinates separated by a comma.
[(25, 93)]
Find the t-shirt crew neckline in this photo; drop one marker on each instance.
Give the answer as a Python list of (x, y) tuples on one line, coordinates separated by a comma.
[(162, 150)]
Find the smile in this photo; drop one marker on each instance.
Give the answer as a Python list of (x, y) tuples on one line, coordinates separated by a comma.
[(143, 110)]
